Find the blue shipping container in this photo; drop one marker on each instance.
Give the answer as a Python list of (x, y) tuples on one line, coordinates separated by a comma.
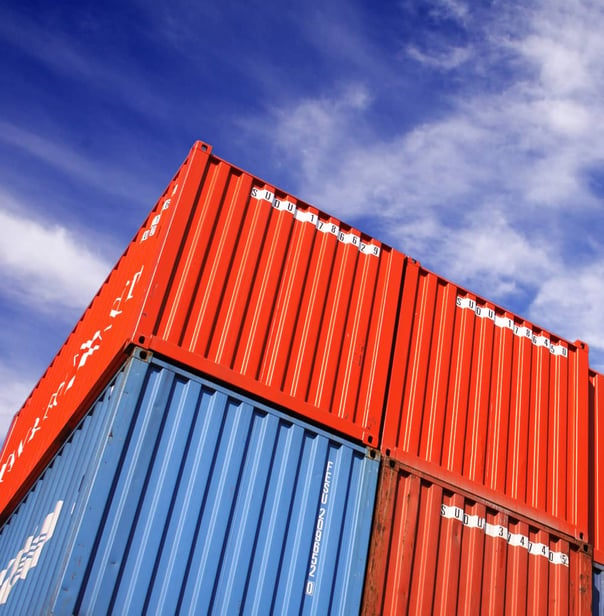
[(598, 590), (176, 495)]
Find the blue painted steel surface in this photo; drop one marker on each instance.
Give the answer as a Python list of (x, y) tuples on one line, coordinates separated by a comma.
[(209, 502), (598, 590), (37, 537)]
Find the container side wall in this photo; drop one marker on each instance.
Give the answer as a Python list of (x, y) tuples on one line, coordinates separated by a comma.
[(221, 504), (37, 538), (479, 395), (271, 294), (596, 466), (435, 550), (92, 352)]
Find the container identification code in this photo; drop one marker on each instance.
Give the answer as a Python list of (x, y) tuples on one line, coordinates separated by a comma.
[(465, 303), (311, 218), (319, 526), (501, 532)]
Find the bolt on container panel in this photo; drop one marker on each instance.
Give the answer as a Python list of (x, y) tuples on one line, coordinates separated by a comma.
[(596, 465), (210, 502), (437, 550), (479, 395), (245, 283)]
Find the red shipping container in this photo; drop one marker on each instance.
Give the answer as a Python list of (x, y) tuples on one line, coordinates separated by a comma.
[(241, 282), (596, 465), (436, 550), (479, 395)]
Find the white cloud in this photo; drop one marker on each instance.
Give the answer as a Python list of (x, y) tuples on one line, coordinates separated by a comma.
[(446, 60), (573, 301), (484, 193), (451, 8), (47, 266), (13, 393)]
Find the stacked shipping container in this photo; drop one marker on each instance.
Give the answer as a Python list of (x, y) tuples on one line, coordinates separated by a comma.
[(260, 291), (478, 395), (351, 347), (178, 495), (438, 550)]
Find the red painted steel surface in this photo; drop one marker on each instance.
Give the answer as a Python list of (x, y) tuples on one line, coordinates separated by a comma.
[(596, 465), (435, 550), (269, 294), (477, 394), (240, 281)]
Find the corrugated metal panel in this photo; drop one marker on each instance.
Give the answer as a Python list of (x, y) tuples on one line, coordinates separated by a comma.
[(290, 303), (598, 591), (478, 394), (596, 466), (205, 502), (242, 282), (89, 357), (36, 538), (435, 550)]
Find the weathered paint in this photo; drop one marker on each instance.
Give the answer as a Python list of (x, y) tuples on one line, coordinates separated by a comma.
[(437, 550)]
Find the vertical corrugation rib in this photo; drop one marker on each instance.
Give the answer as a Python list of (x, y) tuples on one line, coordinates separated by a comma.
[(37, 537), (596, 468), (438, 550), (479, 394), (281, 294), (215, 504)]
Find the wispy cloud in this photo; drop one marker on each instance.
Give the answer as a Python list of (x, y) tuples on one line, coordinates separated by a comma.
[(46, 266), (69, 55), (447, 59), (15, 389), (58, 155), (487, 192)]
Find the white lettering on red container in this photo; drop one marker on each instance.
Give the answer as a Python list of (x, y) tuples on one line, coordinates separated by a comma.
[(304, 216), (88, 348), (497, 531), (27, 557), (522, 331), (319, 528)]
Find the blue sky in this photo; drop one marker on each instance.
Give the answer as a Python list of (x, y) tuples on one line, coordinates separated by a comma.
[(468, 135)]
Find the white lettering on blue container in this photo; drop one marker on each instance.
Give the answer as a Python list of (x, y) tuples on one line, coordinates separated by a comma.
[(319, 527), (27, 557)]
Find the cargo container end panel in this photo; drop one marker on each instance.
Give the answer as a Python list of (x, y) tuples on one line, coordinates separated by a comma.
[(221, 504), (266, 292), (90, 355), (596, 465), (478, 394), (40, 533), (435, 550)]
